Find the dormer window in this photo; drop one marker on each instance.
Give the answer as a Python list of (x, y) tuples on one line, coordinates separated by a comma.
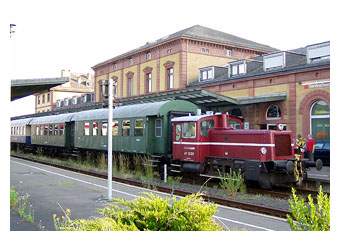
[(238, 68), (274, 61), (206, 74), (318, 52)]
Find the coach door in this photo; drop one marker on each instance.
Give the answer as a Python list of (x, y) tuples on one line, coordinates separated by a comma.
[(69, 134)]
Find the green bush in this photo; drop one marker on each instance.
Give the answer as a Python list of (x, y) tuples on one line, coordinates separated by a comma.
[(232, 182), (149, 212), (309, 216), (13, 198)]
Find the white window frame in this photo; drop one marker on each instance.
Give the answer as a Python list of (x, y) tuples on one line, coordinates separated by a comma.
[(87, 129), (149, 80), (316, 116), (159, 127), (321, 57), (170, 77), (95, 129), (236, 66), (267, 58), (104, 127), (206, 70)]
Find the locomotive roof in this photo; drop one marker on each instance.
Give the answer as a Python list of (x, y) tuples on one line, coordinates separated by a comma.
[(25, 121), (52, 119), (189, 118), (131, 111)]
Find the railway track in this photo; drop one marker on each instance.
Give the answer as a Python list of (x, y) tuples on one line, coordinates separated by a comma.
[(225, 202)]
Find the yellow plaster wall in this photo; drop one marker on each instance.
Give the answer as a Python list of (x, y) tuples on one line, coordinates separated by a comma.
[(196, 61), (272, 89), (235, 93)]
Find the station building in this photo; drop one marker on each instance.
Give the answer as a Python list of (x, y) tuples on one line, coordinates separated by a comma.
[(78, 85), (171, 63), (269, 88)]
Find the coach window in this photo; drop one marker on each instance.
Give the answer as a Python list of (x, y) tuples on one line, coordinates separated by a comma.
[(45, 130), (115, 126), (158, 128), (273, 112), (37, 130), (56, 130), (95, 128), (126, 127), (139, 127), (50, 130), (42, 130), (104, 128), (178, 132), (61, 129), (87, 128), (189, 130), (205, 126)]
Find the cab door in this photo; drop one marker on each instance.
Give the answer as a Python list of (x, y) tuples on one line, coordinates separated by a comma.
[(185, 144)]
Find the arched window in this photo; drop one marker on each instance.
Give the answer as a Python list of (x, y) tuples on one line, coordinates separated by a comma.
[(319, 120), (273, 112)]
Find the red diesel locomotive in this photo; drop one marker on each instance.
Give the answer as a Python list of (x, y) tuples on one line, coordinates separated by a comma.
[(207, 144)]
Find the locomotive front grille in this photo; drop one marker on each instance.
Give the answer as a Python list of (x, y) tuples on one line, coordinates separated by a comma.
[(282, 145)]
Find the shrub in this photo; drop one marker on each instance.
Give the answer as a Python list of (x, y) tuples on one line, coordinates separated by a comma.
[(309, 216), (13, 198), (232, 182), (149, 212)]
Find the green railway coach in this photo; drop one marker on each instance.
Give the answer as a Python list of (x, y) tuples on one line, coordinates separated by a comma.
[(139, 128), (50, 130)]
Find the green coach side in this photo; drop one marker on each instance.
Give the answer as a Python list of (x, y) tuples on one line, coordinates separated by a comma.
[(139, 128), (50, 130)]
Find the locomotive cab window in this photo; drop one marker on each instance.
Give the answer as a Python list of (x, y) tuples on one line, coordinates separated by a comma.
[(104, 128), (158, 127), (87, 128), (234, 124), (189, 130), (95, 128), (126, 127), (178, 132), (139, 127), (205, 126), (115, 126)]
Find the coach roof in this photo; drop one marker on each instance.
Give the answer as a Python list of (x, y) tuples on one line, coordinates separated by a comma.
[(130, 111), (19, 122), (51, 119)]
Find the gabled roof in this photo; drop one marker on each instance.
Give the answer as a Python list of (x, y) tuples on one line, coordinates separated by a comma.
[(199, 33)]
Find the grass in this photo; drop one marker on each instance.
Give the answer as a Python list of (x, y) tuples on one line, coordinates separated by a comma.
[(22, 205)]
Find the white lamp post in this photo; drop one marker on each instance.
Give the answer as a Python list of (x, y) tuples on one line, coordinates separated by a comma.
[(109, 140)]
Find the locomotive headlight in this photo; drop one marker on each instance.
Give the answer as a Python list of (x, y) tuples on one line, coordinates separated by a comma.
[(263, 150)]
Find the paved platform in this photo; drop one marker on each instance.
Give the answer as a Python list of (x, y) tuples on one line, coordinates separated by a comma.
[(323, 175), (51, 188)]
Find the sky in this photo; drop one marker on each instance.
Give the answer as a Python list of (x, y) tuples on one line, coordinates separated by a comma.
[(53, 35)]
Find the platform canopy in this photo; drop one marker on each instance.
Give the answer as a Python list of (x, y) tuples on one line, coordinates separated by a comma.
[(24, 87), (202, 98)]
